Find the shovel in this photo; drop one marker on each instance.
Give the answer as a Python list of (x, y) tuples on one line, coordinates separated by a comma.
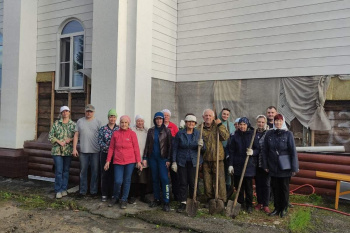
[(192, 204), (233, 208), (216, 206)]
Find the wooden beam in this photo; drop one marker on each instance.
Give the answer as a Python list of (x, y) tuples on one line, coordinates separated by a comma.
[(70, 100), (312, 137), (52, 99), (37, 111)]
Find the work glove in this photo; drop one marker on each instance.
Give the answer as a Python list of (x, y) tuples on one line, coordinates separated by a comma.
[(249, 152), (174, 166), (200, 142), (230, 170)]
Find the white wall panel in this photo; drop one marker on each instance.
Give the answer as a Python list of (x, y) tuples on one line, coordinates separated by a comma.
[(258, 39), (164, 35), (1, 15), (51, 15)]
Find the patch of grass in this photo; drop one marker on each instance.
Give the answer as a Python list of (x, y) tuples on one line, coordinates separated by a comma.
[(38, 202), (300, 220), (313, 199)]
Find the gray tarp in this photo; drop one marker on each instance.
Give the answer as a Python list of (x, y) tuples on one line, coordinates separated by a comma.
[(301, 97), (194, 97), (249, 97), (306, 97)]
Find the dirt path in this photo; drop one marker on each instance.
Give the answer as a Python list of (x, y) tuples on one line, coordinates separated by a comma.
[(14, 219)]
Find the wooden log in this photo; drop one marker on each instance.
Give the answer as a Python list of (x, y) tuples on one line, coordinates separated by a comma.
[(37, 145), (324, 167), (40, 160), (38, 153), (327, 159), (327, 184), (307, 174), (50, 168)]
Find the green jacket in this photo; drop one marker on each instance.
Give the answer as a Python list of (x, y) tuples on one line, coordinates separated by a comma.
[(60, 131), (210, 139)]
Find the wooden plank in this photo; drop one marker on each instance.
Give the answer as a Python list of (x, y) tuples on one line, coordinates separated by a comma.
[(52, 98), (333, 176), (44, 77)]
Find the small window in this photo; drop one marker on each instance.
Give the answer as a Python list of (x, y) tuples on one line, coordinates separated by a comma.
[(71, 56)]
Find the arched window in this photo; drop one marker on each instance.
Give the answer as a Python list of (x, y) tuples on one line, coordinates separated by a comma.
[(71, 56)]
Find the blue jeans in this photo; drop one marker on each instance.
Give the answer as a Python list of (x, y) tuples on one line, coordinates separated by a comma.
[(62, 164), (122, 176), (159, 173), (93, 160)]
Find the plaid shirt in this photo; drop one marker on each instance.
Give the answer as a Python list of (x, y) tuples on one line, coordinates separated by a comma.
[(104, 137)]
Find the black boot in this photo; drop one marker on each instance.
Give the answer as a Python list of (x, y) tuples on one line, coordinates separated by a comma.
[(274, 213)]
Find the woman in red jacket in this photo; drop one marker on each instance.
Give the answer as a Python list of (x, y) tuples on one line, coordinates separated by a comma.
[(124, 149)]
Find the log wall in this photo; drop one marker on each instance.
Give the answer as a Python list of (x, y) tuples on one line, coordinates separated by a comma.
[(310, 163), (40, 161), (339, 115)]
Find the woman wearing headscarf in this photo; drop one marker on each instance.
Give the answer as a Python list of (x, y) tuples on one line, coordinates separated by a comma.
[(140, 181), (224, 116), (280, 160), (124, 152), (104, 139), (262, 178), (185, 154), (239, 150), (61, 136), (173, 175), (157, 156)]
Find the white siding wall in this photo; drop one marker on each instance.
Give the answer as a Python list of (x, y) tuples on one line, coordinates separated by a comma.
[(164, 39), (1, 15), (51, 15), (242, 39)]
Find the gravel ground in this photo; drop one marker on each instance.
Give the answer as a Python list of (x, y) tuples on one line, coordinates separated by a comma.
[(95, 216)]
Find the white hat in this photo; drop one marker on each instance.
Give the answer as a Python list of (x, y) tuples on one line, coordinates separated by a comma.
[(236, 121), (139, 117), (190, 118), (63, 108), (166, 110)]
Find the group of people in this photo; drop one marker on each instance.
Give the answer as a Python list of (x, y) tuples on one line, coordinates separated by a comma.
[(143, 158)]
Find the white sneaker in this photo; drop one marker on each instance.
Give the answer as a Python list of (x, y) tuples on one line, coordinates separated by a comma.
[(58, 195), (64, 193)]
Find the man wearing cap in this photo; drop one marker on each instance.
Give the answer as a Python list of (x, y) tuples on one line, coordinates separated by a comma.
[(104, 139), (210, 130), (87, 131), (175, 187)]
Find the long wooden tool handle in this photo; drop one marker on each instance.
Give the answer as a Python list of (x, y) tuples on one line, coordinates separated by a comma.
[(197, 166), (217, 167), (244, 169)]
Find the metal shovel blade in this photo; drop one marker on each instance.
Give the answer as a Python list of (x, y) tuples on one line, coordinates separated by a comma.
[(216, 206), (192, 207), (232, 210)]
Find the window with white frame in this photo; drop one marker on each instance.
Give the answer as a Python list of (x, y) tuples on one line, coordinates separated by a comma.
[(71, 57)]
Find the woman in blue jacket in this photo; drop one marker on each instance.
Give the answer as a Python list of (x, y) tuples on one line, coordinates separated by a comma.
[(280, 160), (185, 149)]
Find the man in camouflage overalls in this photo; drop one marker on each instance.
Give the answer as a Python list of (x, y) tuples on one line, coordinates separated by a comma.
[(210, 129)]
